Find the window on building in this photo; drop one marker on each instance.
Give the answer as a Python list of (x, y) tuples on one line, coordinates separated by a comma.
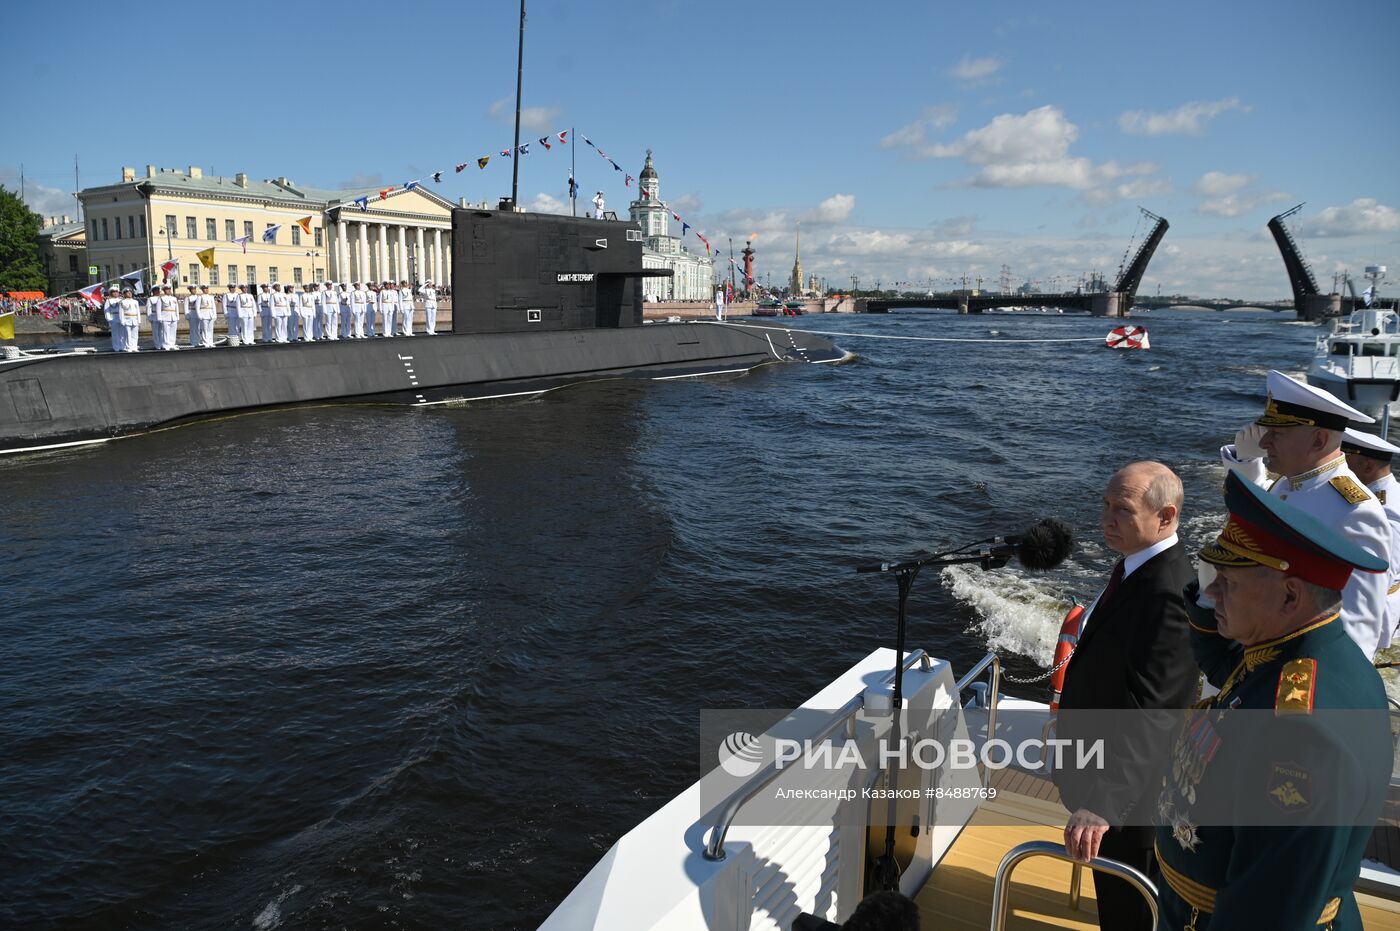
[(211, 229), (251, 274), (170, 225), (296, 235), (214, 275), (228, 230), (320, 275), (272, 274), (248, 228), (73, 263), (121, 268), (296, 275), (274, 235), (141, 225), (318, 233), (116, 227), (130, 227), (233, 274), (192, 276), (191, 228), (106, 272), (104, 227)]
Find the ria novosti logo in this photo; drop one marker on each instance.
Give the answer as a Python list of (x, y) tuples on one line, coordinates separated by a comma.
[(740, 754)]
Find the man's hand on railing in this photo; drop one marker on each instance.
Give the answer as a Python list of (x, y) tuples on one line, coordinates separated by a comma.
[(1083, 834)]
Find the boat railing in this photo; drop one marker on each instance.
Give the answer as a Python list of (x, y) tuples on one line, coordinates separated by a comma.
[(843, 716), (1001, 884), (985, 695)]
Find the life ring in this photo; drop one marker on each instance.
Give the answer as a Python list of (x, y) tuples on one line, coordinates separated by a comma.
[(1127, 337), (1064, 649)]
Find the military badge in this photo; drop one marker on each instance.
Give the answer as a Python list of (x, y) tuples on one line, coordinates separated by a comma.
[(1290, 787), (1185, 834), (1295, 687)]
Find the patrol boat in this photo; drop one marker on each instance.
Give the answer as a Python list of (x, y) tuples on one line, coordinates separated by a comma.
[(539, 302), (1359, 359), (975, 850)]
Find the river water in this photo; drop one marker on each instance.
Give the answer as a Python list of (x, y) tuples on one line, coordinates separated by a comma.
[(379, 667)]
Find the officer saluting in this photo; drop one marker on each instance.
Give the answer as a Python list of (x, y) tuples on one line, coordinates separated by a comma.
[(1269, 833), (1299, 436)]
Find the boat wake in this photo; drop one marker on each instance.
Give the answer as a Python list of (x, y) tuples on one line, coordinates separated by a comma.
[(1018, 615)]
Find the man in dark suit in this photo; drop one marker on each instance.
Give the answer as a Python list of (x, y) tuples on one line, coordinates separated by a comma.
[(1134, 653)]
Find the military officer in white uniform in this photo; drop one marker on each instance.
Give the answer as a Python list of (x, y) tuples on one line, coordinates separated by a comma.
[(112, 311), (306, 312), (247, 316), (406, 307), (192, 314), (1370, 457), (1299, 438), (281, 304), (265, 309), (389, 307), (327, 310), (429, 307), (153, 315), (359, 301), (166, 318), (371, 304), (129, 319), (228, 303), (205, 312), (343, 294)]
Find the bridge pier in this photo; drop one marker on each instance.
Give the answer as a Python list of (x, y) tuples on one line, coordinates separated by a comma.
[(1318, 306), (1110, 304)]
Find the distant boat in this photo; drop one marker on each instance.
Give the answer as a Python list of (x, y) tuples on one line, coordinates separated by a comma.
[(768, 307)]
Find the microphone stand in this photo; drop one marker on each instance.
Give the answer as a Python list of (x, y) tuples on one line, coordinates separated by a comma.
[(991, 555)]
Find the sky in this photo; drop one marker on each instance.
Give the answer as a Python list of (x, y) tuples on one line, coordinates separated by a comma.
[(914, 143)]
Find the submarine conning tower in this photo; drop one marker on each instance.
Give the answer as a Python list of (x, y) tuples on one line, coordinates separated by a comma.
[(522, 272)]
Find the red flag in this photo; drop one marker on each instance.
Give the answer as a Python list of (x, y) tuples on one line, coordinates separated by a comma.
[(168, 268), (93, 295), (384, 194), (544, 141), (562, 140), (627, 180)]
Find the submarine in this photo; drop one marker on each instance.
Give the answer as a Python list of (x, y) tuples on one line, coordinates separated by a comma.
[(539, 302)]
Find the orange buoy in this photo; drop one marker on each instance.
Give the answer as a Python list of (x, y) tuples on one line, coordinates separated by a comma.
[(1064, 649), (1127, 337)]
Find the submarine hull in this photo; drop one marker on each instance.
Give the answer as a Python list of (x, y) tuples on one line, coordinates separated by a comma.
[(50, 401)]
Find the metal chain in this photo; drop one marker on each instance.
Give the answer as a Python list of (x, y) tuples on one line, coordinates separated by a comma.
[(1032, 679)]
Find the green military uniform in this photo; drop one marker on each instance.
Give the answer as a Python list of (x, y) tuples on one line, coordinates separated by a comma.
[(1265, 813)]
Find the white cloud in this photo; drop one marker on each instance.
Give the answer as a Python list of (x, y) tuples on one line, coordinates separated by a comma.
[(1187, 119), (933, 118), (45, 201), (835, 209), (1234, 205), (535, 119), (975, 70), (1218, 184), (1361, 216), (1137, 189), (547, 203), (1032, 149)]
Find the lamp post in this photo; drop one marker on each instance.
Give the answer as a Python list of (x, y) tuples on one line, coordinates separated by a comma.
[(313, 256)]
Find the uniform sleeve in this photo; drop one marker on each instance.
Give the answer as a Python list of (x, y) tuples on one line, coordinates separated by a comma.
[(1251, 470), (1217, 656), (1364, 609)]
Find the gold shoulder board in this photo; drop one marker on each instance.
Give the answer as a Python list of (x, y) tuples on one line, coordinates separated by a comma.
[(1295, 687), (1380, 495), (1348, 489)]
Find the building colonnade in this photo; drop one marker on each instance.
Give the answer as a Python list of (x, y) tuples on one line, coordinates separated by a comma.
[(381, 250)]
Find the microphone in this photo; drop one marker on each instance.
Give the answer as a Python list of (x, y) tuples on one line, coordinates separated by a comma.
[(1044, 546)]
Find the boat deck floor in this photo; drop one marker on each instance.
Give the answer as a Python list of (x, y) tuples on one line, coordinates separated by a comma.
[(959, 893)]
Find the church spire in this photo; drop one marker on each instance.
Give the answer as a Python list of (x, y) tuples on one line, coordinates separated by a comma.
[(796, 284)]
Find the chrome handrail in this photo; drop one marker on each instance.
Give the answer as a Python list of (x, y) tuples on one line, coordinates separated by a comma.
[(993, 691), (714, 848), (1001, 885)]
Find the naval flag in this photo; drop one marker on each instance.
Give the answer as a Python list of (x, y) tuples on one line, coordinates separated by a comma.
[(270, 234), (1368, 295), (167, 269), (7, 325), (544, 141), (92, 294), (243, 241), (481, 162), (362, 202), (206, 257), (137, 280), (305, 224), (437, 177), (410, 185), (562, 140)]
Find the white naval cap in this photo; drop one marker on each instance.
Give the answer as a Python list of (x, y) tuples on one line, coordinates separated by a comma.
[(1294, 403), (1367, 444)]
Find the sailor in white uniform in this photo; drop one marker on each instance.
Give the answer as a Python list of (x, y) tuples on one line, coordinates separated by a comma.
[(306, 311), (342, 294), (371, 306), (598, 206), (205, 313), (228, 302), (153, 315), (1299, 437), (165, 319), (388, 307), (247, 316), (112, 312), (265, 309), (281, 303), (129, 319), (192, 315), (429, 307), (1371, 457), (359, 301), (406, 307), (327, 310)]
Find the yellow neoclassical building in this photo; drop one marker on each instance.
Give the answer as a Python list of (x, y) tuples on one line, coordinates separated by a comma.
[(170, 214)]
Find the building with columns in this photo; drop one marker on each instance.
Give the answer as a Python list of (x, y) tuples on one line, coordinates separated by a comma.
[(692, 276), (171, 214)]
